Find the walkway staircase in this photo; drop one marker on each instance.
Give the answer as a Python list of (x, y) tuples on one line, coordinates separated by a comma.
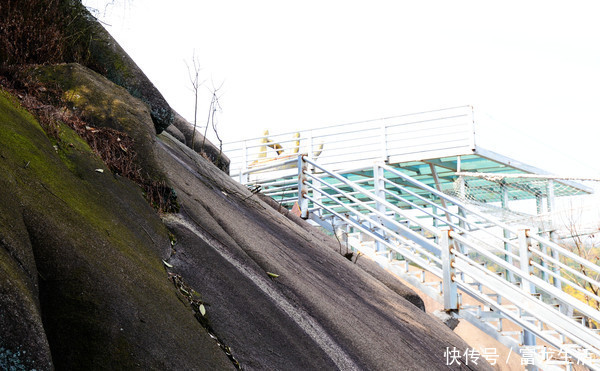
[(448, 249)]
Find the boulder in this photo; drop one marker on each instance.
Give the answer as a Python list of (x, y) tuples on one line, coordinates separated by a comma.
[(176, 133), (103, 104), (99, 51), (82, 282)]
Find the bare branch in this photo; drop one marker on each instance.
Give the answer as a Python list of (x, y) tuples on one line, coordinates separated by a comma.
[(194, 76)]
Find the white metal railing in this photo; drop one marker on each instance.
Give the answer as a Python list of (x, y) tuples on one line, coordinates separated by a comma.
[(500, 266), (429, 134)]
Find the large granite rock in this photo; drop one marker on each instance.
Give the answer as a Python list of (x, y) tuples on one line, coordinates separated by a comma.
[(82, 285)]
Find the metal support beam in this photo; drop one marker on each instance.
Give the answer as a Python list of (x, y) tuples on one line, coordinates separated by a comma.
[(384, 154), (379, 186), (504, 201), (302, 191), (448, 272), (551, 202), (526, 267)]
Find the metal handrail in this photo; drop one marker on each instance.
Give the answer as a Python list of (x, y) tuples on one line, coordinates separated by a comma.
[(359, 122), (543, 241), (466, 237), (380, 135)]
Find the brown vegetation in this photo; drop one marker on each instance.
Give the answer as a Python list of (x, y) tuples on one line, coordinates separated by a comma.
[(42, 31), (114, 147)]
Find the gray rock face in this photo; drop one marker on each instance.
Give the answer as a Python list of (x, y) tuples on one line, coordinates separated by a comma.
[(176, 133), (279, 294), (82, 285)]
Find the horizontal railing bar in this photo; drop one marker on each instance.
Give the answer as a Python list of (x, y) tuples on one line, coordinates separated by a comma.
[(411, 140), (545, 256), (549, 314), (447, 198), (365, 230), (365, 160), (351, 123), (276, 183), (278, 192), (524, 176), (414, 236), (566, 253), (566, 281)]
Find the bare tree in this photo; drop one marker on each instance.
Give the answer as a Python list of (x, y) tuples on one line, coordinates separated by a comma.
[(586, 245), (212, 121), (194, 74)]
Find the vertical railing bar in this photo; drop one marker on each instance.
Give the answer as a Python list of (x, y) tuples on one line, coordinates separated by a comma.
[(448, 272), (527, 269), (302, 199)]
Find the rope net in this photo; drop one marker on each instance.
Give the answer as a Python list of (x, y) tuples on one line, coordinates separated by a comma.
[(522, 199)]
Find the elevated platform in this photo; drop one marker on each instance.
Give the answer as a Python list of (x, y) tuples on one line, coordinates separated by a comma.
[(436, 147)]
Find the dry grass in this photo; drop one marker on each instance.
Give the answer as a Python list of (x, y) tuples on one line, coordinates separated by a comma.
[(114, 147), (31, 32)]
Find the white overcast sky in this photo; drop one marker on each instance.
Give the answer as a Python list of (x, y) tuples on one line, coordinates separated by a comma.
[(531, 69)]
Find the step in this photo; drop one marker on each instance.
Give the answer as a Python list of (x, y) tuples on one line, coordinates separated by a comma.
[(511, 333)]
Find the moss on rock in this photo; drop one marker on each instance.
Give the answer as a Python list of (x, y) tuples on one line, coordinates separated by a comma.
[(104, 104), (87, 247)]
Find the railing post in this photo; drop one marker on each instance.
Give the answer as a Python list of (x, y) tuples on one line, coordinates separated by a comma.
[(448, 272), (551, 203), (302, 191), (525, 257), (384, 154), (504, 202), (317, 195), (555, 281), (244, 167), (379, 187), (311, 143)]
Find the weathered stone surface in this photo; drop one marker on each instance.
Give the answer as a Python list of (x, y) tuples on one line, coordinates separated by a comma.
[(366, 264), (23, 343), (176, 133), (80, 254), (104, 104), (281, 296)]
